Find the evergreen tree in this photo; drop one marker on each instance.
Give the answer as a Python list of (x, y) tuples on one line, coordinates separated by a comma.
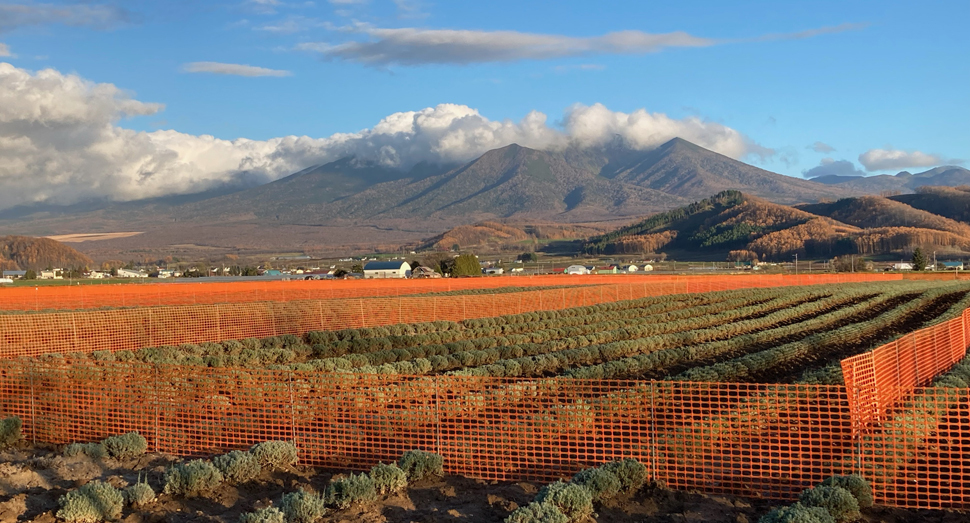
[(466, 265), (919, 260)]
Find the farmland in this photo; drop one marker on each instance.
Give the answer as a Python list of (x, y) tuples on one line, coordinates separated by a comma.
[(736, 388), (774, 335)]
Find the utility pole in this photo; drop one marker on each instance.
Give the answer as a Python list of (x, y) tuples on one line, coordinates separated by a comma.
[(796, 264)]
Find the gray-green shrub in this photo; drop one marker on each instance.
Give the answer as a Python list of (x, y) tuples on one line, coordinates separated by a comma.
[(263, 515), (839, 502), (855, 484), (797, 513), (575, 501), (351, 490), (601, 483), (10, 431), (302, 507), (238, 467), (420, 464), (95, 501), (192, 479), (125, 446), (631, 473), (139, 494), (91, 450), (388, 478), (275, 453), (536, 512)]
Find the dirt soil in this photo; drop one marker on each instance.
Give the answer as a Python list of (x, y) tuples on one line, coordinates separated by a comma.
[(33, 478)]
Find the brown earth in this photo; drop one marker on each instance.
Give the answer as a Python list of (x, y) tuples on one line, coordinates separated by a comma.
[(33, 478)]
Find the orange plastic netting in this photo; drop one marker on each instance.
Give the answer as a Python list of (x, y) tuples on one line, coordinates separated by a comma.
[(155, 294), (761, 440), (134, 328)]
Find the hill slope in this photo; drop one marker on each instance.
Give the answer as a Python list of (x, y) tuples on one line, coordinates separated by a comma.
[(950, 202), (514, 181), (903, 182), (501, 236), (684, 169), (739, 226), (875, 211), (25, 252)]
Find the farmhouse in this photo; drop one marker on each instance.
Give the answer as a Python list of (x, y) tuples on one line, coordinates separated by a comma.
[(388, 269), (13, 275), (952, 266)]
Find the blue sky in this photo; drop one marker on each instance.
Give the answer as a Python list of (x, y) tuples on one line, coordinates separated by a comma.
[(855, 76)]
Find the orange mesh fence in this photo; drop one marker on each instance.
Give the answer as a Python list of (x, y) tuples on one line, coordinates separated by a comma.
[(918, 457), (134, 328), (880, 379), (760, 440), (156, 294)]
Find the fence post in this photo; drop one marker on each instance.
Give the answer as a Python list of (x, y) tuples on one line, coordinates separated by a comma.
[(33, 416), (158, 401), (653, 427), (289, 383), (437, 415), (857, 435)]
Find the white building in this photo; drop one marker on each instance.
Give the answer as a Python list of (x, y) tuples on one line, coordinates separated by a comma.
[(631, 268), (125, 273), (902, 266), (494, 270), (51, 275), (577, 269), (389, 269), (648, 267)]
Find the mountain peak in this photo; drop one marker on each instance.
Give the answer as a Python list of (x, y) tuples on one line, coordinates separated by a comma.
[(679, 143)]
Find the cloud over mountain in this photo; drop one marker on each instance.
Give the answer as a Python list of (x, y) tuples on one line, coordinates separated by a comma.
[(830, 167), (61, 142), (893, 159)]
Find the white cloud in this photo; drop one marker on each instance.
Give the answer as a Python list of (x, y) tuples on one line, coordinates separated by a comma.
[(821, 147), (411, 46), (4, 49), (597, 125), (61, 142), (98, 16), (830, 167), (232, 69), (890, 159)]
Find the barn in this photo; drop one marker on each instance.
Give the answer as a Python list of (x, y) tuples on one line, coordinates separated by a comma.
[(387, 269)]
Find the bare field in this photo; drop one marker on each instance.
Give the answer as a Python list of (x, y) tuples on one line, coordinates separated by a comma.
[(92, 237)]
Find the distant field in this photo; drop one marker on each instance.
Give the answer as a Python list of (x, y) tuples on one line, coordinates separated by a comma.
[(59, 283), (91, 237)]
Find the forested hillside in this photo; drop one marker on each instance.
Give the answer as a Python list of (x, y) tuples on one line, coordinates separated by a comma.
[(738, 226), (25, 252)]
